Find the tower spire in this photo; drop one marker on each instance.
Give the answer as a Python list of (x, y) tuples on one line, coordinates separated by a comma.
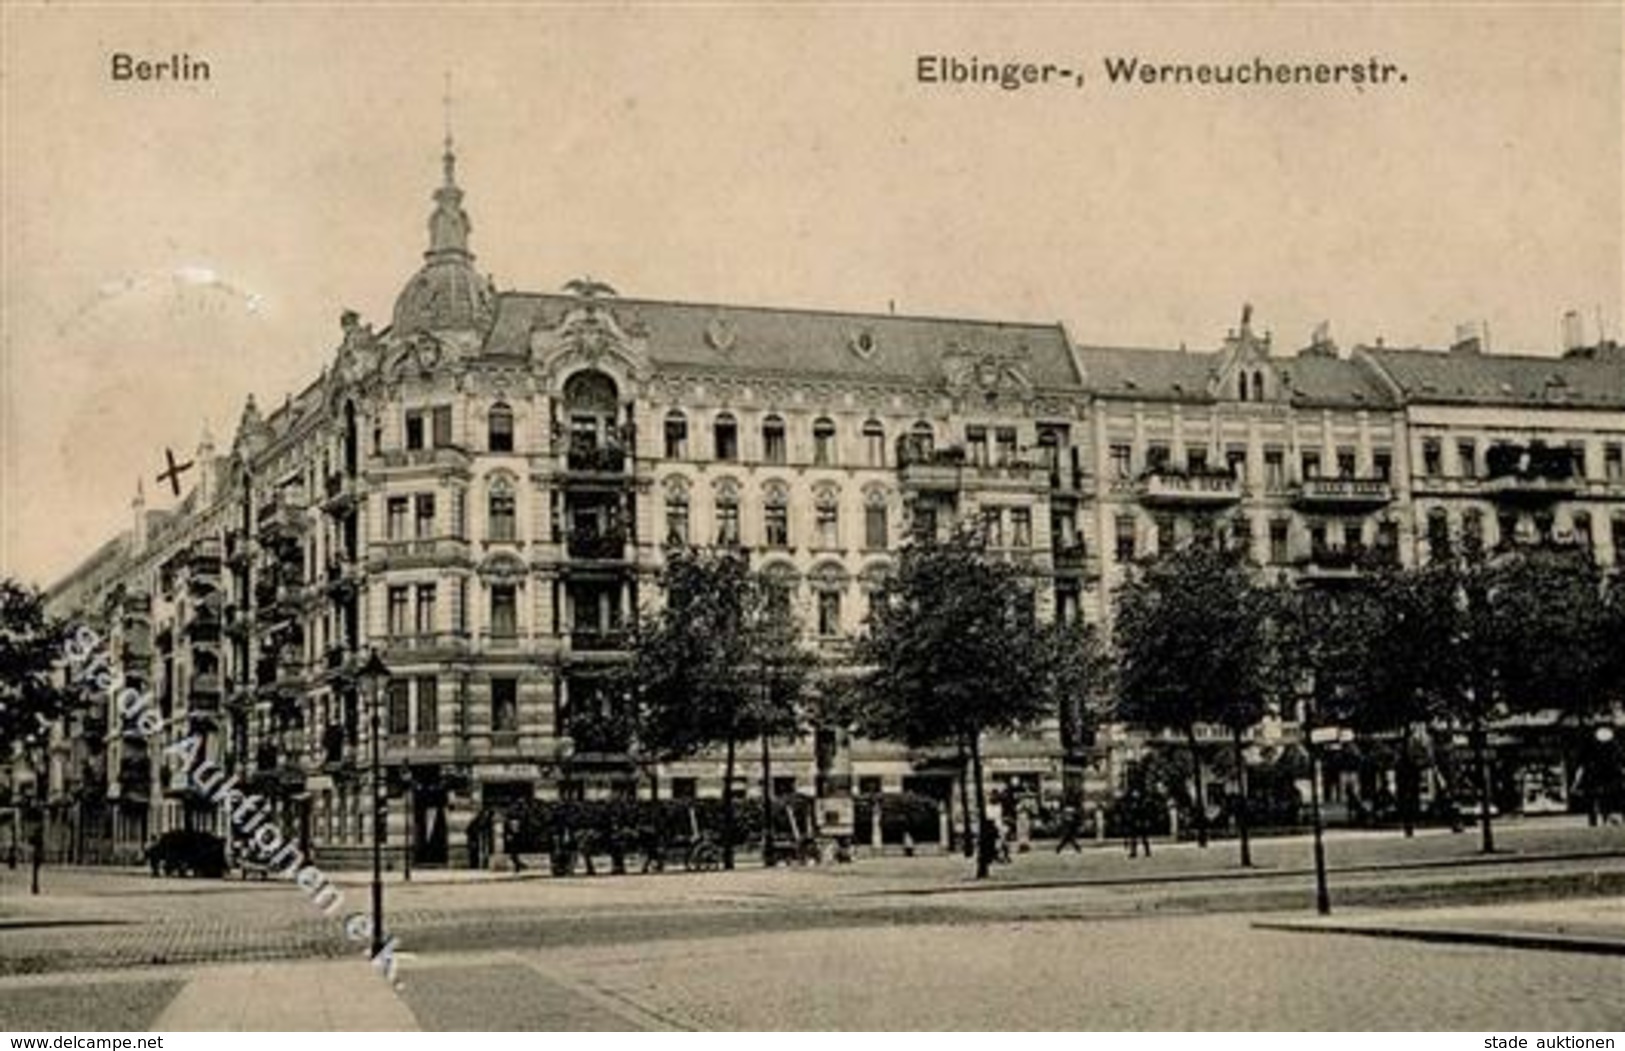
[(448, 224)]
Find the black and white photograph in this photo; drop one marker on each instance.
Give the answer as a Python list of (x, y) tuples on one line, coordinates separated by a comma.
[(800, 518)]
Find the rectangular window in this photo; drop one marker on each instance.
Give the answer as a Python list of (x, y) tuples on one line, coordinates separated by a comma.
[(1005, 439), (399, 614), (1021, 527), (828, 520), (1274, 469), (874, 527), (1157, 456), (1382, 462), (504, 705), (1467, 458), (425, 609), (1235, 458), (925, 523), (1122, 460), (1280, 553), (414, 429), (1346, 462), (1311, 464), (428, 705), (776, 525), (399, 714), (502, 516), (1582, 529), (424, 526), (504, 611), (1388, 539), (1125, 546), (676, 438), (1196, 459), (459, 514), (976, 445), (677, 521), (1166, 535), (993, 526), (829, 613), (1472, 528), (460, 618), (728, 524), (442, 426), (1578, 458), (1506, 528), (1432, 465), (397, 517), (1613, 461)]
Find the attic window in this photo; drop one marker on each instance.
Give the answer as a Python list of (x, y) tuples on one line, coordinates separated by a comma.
[(863, 344)]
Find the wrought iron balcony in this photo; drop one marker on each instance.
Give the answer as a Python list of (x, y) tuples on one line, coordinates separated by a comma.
[(1352, 494), (1168, 486), (591, 458), (608, 544)]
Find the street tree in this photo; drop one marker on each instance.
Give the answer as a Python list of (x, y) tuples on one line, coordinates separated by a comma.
[(30, 646), (1193, 643), (717, 664), (951, 652)]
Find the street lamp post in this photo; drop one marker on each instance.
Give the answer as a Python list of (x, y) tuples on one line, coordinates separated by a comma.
[(375, 673), (1323, 897)]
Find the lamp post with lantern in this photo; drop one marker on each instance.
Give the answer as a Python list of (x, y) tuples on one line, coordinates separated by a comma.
[(375, 674)]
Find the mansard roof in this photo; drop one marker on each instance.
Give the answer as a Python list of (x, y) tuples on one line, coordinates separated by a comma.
[(1442, 377), (848, 345), (1181, 375)]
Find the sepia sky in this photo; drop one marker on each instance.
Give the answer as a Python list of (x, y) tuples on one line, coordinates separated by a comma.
[(170, 247)]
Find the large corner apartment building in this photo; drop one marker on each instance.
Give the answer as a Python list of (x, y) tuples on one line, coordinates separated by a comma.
[(481, 492)]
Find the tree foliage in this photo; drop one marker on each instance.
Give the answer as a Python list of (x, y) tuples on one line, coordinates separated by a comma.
[(30, 645), (952, 650)]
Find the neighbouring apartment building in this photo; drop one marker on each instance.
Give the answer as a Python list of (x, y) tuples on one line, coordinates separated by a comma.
[(482, 491)]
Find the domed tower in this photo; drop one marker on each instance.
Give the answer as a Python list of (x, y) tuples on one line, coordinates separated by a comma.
[(447, 296)]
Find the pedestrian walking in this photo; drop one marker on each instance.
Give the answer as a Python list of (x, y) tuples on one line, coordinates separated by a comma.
[(1071, 828), (1137, 822), (36, 841)]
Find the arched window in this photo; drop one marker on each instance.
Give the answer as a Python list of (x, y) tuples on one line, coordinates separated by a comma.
[(823, 442), (676, 435), (727, 497), (1241, 385), (1258, 386), (827, 519), (499, 429), (874, 443), (921, 439), (725, 437), (677, 512), (776, 516), (876, 534), (774, 448), (590, 403)]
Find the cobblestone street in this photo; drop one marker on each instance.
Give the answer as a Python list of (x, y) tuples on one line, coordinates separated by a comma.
[(1075, 941)]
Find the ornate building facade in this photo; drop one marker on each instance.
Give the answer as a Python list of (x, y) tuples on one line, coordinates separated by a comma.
[(482, 491)]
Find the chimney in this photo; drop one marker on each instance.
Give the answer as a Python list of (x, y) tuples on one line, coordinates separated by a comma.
[(1469, 339), (1574, 336)]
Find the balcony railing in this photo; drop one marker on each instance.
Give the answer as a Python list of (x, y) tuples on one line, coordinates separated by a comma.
[(589, 543), (595, 640), (1350, 493), (595, 459), (284, 515), (1171, 486)]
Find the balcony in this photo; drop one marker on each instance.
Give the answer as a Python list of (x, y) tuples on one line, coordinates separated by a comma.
[(921, 468), (1533, 473), (592, 459), (1344, 494), (598, 640), (340, 494), (1331, 564), (282, 517), (206, 691), (1171, 487), (204, 559), (418, 552), (428, 646), (342, 578), (239, 550), (135, 777), (607, 545)]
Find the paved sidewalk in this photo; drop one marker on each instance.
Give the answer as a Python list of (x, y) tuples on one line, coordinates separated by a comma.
[(328, 995), (1588, 925)]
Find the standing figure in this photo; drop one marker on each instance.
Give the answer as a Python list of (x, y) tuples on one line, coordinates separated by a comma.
[(1071, 827)]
